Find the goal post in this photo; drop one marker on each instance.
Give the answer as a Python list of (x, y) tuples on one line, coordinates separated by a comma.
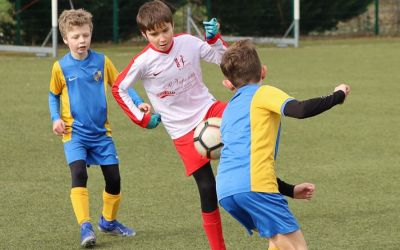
[(40, 50), (296, 20), (54, 26)]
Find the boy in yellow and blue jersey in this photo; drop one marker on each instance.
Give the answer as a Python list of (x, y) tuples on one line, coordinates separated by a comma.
[(246, 180), (78, 85)]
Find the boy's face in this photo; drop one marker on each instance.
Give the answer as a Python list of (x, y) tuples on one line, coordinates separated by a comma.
[(78, 40), (161, 37)]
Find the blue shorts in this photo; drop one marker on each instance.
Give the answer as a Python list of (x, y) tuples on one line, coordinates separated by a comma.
[(95, 152), (267, 213)]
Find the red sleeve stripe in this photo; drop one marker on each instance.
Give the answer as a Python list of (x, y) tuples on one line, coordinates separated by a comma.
[(215, 39), (116, 93)]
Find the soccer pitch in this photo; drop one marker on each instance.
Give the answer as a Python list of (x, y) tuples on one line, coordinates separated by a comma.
[(351, 153)]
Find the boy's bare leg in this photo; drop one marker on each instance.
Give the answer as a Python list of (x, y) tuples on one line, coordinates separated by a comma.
[(292, 241), (271, 245)]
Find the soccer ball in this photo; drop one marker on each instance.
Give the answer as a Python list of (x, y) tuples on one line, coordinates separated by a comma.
[(207, 138)]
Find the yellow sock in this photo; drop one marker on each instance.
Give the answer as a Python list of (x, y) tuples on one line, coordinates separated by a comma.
[(273, 248), (110, 205), (80, 203)]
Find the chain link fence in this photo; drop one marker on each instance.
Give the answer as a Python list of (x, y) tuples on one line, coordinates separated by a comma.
[(383, 20), (39, 23)]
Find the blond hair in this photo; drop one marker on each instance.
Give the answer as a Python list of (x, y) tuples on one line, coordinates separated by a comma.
[(154, 14), (241, 64), (69, 18)]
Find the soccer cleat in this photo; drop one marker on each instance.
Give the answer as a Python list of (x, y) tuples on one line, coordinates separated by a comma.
[(114, 228), (88, 239)]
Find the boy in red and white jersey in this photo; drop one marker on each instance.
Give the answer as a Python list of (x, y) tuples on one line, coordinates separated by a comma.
[(170, 71)]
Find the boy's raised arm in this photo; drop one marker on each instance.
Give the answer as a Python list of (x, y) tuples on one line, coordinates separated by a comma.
[(216, 46), (315, 106)]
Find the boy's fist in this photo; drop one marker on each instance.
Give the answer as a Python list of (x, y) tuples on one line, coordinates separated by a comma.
[(304, 191), (212, 28), (59, 127), (343, 87), (144, 107)]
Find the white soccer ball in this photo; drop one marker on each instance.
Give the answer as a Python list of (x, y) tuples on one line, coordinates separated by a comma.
[(207, 138)]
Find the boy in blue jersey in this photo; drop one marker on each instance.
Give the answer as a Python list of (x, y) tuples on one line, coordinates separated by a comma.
[(246, 178), (78, 84)]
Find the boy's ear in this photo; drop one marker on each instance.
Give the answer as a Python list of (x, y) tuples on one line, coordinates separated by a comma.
[(228, 84), (65, 41), (144, 35), (263, 72)]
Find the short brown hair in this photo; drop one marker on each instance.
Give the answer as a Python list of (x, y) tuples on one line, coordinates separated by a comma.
[(241, 64), (153, 14), (69, 18)]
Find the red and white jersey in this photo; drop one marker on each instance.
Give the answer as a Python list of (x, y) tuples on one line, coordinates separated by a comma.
[(173, 82)]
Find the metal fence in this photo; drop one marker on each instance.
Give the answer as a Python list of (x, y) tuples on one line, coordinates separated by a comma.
[(381, 19)]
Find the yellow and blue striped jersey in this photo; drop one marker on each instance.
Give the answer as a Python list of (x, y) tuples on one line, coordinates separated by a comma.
[(81, 85), (250, 132)]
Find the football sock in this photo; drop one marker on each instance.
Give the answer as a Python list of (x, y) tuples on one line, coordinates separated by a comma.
[(110, 205), (80, 203), (213, 228), (273, 248)]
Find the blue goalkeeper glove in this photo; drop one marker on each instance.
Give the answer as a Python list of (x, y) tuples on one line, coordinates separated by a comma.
[(154, 121), (212, 28)]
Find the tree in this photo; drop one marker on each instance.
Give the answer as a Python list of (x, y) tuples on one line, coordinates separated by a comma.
[(6, 22), (321, 15)]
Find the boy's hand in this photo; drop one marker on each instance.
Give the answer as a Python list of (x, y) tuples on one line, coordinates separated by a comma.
[(154, 121), (59, 127), (343, 87), (303, 191), (145, 108), (212, 28)]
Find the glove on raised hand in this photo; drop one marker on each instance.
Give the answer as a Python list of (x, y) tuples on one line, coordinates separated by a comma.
[(212, 28)]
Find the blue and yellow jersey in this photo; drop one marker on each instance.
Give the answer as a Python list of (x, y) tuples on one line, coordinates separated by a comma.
[(79, 87), (250, 132)]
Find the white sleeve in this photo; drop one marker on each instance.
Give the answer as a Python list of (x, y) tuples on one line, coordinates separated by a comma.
[(212, 50)]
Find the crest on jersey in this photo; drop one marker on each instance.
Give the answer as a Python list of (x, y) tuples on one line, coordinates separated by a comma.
[(179, 62), (97, 76)]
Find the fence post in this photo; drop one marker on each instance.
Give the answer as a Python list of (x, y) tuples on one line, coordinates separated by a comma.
[(115, 22), (209, 15), (376, 17), (296, 18), (188, 16), (18, 17)]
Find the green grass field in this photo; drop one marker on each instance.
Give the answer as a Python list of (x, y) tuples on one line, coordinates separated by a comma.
[(351, 153)]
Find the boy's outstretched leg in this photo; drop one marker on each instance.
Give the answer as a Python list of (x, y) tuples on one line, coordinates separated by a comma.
[(111, 199), (209, 205), (213, 227)]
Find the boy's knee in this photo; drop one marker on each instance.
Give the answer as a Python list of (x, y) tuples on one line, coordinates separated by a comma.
[(79, 174), (112, 178), (207, 187)]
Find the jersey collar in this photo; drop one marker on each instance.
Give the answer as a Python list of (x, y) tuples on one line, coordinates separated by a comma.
[(160, 51)]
